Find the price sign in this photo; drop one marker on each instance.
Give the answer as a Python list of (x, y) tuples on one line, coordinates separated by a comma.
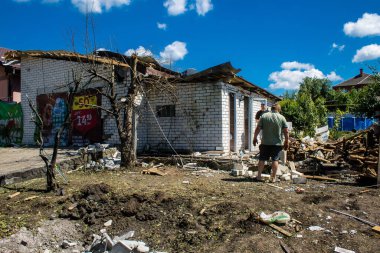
[(84, 102)]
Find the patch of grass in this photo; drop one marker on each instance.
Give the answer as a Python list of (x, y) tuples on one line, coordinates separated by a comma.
[(10, 224)]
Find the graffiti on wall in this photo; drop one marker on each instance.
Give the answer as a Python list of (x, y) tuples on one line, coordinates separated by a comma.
[(10, 123)]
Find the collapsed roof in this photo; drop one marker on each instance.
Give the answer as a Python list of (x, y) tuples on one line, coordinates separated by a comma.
[(63, 55), (148, 65), (228, 74)]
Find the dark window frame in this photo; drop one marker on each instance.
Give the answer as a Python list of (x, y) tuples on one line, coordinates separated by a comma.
[(165, 111)]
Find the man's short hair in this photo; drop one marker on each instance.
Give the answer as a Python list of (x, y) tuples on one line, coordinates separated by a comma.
[(276, 107)]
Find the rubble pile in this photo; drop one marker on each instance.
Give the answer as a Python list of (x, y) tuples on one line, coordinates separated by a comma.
[(100, 157), (119, 244), (355, 155)]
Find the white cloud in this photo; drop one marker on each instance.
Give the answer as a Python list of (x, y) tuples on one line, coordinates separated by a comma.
[(294, 72), (335, 47), (140, 51), (175, 7), (296, 65), (203, 6), (162, 26), (367, 25), (366, 53), (173, 52), (98, 6), (339, 47), (333, 77)]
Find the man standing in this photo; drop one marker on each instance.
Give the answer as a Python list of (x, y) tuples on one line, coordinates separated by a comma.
[(261, 111), (274, 128)]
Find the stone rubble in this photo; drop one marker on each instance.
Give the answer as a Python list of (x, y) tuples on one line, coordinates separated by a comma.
[(119, 244), (100, 157)]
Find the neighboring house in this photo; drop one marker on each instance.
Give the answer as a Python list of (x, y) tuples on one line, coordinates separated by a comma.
[(356, 82), (9, 78), (210, 110)]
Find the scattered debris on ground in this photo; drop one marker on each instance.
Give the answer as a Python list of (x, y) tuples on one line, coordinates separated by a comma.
[(218, 213), (352, 157), (100, 157)]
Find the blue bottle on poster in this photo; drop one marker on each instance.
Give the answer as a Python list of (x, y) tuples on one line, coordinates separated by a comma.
[(59, 114)]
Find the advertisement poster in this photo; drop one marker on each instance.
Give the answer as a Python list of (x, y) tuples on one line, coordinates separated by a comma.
[(53, 110), (86, 125), (86, 118)]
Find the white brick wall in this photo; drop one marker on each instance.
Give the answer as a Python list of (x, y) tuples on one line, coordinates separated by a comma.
[(44, 76), (202, 109), (197, 124)]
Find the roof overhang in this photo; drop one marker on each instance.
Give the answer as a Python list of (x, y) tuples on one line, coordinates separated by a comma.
[(227, 73), (64, 55)]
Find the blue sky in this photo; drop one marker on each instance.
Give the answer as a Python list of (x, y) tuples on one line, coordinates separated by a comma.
[(275, 42)]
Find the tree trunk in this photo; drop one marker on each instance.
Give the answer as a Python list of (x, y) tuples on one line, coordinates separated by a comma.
[(127, 135)]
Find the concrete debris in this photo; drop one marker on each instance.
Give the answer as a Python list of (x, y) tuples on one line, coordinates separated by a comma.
[(108, 223), (66, 244), (119, 244), (315, 228), (100, 157), (193, 166), (342, 250)]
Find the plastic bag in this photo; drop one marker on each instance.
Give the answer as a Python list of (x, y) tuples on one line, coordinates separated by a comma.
[(277, 217)]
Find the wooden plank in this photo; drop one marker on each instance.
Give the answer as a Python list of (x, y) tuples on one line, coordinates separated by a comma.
[(275, 186), (356, 218), (320, 159), (321, 178), (292, 166), (30, 198), (281, 230), (285, 247), (153, 171), (376, 228), (14, 195)]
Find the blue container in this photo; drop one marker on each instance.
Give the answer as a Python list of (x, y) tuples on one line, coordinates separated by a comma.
[(330, 122)]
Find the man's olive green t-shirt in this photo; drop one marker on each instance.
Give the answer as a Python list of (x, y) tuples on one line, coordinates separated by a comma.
[(272, 124)]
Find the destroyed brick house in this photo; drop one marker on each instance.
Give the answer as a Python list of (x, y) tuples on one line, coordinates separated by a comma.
[(212, 110)]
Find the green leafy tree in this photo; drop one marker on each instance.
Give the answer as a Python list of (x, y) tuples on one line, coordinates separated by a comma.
[(366, 100), (306, 109)]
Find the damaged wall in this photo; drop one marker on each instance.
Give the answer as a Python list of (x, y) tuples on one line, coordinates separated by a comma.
[(196, 125), (201, 121)]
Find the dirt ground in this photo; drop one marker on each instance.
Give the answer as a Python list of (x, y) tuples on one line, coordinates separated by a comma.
[(187, 211)]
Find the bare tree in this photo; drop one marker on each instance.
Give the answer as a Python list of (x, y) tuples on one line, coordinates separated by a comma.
[(50, 162), (123, 106)]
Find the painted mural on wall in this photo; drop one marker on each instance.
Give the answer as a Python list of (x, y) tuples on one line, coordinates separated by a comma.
[(10, 123), (86, 124)]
